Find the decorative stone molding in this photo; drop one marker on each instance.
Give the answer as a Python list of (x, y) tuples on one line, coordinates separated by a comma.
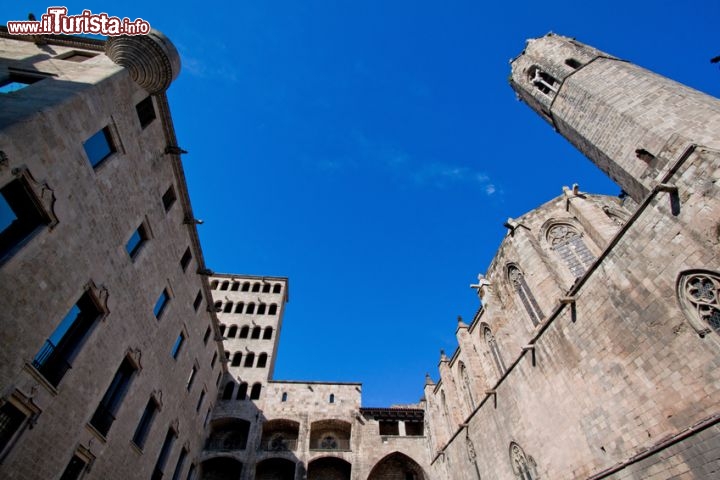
[(152, 60), (698, 293), (100, 295), (42, 192)]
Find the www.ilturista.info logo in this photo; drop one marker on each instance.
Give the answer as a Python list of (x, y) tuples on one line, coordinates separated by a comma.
[(57, 21)]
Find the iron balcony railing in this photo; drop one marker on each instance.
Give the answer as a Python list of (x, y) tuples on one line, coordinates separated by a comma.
[(51, 364), (277, 445)]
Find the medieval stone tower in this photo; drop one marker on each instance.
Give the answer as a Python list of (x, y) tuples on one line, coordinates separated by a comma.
[(595, 351)]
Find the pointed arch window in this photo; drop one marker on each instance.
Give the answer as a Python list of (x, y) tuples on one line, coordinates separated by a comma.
[(494, 351), (466, 386), (698, 293), (568, 243), (517, 279), (523, 467)]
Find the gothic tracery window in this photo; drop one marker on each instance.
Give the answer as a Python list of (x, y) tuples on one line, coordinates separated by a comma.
[(570, 247), (494, 350), (698, 292), (517, 279), (522, 465), (466, 386)]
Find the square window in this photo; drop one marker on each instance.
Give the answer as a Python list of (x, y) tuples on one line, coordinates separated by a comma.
[(169, 198), (177, 345), (185, 260), (17, 81), (161, 303), (77, 56), (20, 216), (99, 147), (198, 301), (60, 349), (137, 240), (145, 112)]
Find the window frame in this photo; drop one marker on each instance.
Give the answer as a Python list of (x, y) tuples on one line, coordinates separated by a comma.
[(110, 142)]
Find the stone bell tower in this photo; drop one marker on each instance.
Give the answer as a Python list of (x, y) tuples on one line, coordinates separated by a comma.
[(632, 123)]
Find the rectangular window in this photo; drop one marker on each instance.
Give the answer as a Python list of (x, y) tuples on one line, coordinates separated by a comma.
[(99, 147), (191, 472), (214, 359), (200, 400), (169, 198), (60, 349), (389, 427), (161, 303), (11, 420), (104, 415), (185, 260), (164, 454), (77, 56), (75, 468), (191, 378), (177, 345), (20, 216), (17, 81), (143, 428), (196, 304), (137, 240), (179, 464), (145, 112)]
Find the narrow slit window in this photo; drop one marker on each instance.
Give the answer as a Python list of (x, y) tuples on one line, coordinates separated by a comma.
[(11, 422), (168, 198), (145, 112), (200, 400), (99, 147), (145, 423), (191, 377), (104, 415), (197, 302), (177, 345), (185, 260), (164, 454), (206, 337), (161, 304), (137, 240)]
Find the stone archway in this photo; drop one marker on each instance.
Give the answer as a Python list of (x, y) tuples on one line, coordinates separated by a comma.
[(275, 469), (220, 468), (396, 466), (328, 468)]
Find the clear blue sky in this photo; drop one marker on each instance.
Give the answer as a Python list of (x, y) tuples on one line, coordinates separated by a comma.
[(371, 150)]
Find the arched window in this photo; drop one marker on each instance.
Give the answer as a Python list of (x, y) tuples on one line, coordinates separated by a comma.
[(239, 307), (331, 399), (255, 333), (543, 81), (523, 466), (225, 285), (256, 287), (242, 391), (222, 329), (466, 386), (237, 359), (267, 334), (698, 292), (517, 279), (494, 350), (246, 287), (261, 309), (255, 391), (244, 331), (277, 288), (250, 308), (249, 359), (228, 391), (266, 288), (228, 307), (262, 360), (235, 286), (273, 309), (214, 285), (218, 306), (232, 331), (570, 247)]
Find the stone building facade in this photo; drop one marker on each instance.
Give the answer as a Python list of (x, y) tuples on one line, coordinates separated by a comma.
[(594, 353)]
